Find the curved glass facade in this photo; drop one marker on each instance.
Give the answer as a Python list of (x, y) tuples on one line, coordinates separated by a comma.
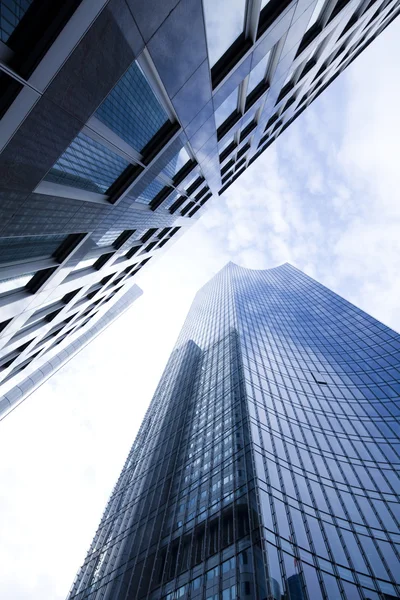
[(267, 464)]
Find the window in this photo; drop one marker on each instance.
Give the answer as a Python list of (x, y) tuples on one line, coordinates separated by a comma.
[(227, 108), (85, 263), (132, 110), (316, 13), (14, 283), (319, 378), (258, 73), (87, 165), (11, 13), (123, 237), (150, 192), (19, 249), (176, 163), (224, 23)]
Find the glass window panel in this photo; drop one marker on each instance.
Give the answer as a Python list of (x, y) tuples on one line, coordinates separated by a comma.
[(316, 13), (109, 238), (258, 73), (189, 182), (150, 192), (87, 165), (331, 587), (313, 587), (11, 13), (224, 23), (176, 164), (132, 110), (170, 200), (84, 264), (14, 249), (13, 283), (226, 108), (275, 580)]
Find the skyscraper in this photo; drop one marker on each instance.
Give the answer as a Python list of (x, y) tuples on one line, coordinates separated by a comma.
[(267, 464), (119, 119)]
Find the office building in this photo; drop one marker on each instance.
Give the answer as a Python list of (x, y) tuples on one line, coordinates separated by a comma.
[(267, 465), (119, 120)]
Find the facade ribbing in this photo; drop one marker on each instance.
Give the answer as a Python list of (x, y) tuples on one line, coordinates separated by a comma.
[(267, 464)]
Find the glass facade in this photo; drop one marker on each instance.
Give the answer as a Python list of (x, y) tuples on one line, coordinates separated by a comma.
[(11, 13), (150, 191), (132, 110), (267, 464), (19, 249), (87, 165)]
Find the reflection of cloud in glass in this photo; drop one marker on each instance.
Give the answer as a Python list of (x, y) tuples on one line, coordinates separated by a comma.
[(226, 108), (176, 163), (258, 73), (224, 23)]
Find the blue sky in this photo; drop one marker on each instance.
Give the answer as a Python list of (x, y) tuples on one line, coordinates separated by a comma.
[(323, 197)]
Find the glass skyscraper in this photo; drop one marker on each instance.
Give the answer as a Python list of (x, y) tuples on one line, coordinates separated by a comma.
[(119, 121), (267, 464)]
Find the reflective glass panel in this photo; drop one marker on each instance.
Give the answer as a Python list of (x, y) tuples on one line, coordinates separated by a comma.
[(87, 165), (11, 13), (224, 23), (316, 13), (176, 164), (13, 283), (85, 263), (132, 110), (19, 249), (226, 108), (257, 75), (150, 192)]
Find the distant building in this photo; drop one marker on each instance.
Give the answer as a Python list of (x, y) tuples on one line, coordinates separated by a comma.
[(267, 464), (118, 122)]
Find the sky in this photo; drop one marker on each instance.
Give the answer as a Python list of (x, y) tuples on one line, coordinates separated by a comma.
[(323, 197)]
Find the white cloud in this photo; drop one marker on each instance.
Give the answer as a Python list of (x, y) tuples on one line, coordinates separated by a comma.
[(323, 197)]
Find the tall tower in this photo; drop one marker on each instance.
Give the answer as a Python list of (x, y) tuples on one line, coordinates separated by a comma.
[(267, 464), (119, 120)]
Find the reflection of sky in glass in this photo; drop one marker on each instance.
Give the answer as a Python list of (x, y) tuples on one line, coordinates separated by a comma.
[(170, 200), (247, 122), (288, 78), (84, 264), (317, 11), (224, 23), (87, 165), (226, 144), (264, 3), (132, 110), (226, 108), (150, 192), (176, 164), (190, 181), (7, 285), (258, 73)]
